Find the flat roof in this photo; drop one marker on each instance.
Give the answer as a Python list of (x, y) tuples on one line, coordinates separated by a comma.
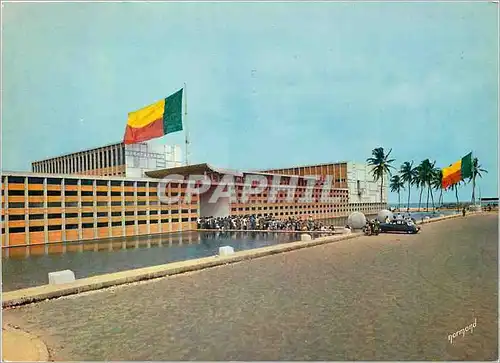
[(200, 169), (77, 152), (72, 176), (307, 166)]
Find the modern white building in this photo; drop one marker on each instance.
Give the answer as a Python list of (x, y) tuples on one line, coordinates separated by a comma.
[(115, 159), (143, 157), (362, 186)]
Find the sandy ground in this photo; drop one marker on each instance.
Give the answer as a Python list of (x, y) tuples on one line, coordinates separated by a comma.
[(386, 297), (19, 346)]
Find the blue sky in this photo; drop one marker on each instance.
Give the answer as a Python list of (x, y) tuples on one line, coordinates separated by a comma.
[(269, 84)]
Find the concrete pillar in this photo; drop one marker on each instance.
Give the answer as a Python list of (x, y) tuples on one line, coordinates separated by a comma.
[(94, 160), (123, 208), (113, 160), (79, 194), (179, 207), (101, 160), (124, 160), (45, 214), (6, 220), (105, 160), (110, 226), (63, 209), (148, 209), (160, 228), (169, 215), (94, 209), (86, 161), (26, 213), (136, 223)]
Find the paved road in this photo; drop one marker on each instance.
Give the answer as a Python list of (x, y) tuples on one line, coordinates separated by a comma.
[(390, 297)]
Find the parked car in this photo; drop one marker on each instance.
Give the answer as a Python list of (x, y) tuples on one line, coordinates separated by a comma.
[(399, 226)]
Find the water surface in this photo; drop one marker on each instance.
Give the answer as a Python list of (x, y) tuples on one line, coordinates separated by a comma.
[(29, 266)]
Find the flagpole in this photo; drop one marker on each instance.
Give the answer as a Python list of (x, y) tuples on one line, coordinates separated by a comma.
[(185, 124)]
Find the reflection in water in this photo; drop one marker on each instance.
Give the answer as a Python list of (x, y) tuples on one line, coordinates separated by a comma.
[(28, 266)]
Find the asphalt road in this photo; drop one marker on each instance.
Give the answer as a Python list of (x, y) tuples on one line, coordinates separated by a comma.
[(387, 297)]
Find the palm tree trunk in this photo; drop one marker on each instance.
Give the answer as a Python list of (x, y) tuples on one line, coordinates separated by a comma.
[(420, 199), (399, 201), (432, 198), (456, 195), (409, 191), (473, 190), (381, 189), (427, 207), (440, 201)]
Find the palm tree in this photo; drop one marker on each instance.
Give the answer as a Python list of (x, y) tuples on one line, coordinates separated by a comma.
[(455, 188), (420, 182), (476, 171), (381, 165), (396, 186), (408, 174), (427, 174), (437, 183)]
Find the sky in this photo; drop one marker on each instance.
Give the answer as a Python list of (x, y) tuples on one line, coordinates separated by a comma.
[(269, 85)]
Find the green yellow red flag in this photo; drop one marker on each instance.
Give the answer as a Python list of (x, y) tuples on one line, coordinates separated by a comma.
[(158, 119), (458, 171)]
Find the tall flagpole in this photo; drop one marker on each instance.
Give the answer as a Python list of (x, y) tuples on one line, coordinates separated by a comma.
[(186, 134)]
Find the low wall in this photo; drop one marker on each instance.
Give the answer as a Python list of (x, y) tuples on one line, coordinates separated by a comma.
[(432, 220)]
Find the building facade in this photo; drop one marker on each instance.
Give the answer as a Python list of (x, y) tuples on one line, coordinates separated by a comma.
[(113, 160), (354, 178), (42, 208)]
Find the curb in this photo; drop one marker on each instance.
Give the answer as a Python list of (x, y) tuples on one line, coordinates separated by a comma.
[(453, 216), (38, 344), (45, 292)]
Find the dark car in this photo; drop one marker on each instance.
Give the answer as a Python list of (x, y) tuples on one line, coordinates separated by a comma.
[(399, 226)]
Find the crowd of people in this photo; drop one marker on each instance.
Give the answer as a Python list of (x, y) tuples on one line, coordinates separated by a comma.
[(265, 223), (407, 217)]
